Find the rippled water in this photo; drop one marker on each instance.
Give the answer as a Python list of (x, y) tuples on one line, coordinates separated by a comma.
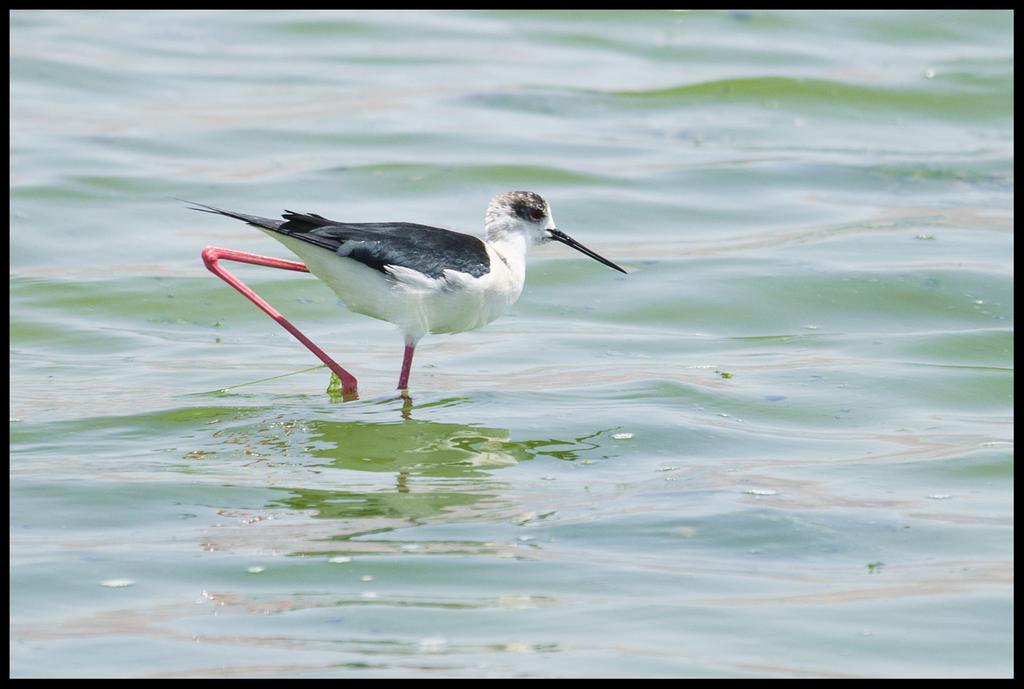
[(781, 446)]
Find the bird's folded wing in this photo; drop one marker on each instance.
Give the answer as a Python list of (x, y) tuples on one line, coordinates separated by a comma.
[(427, 250), (378, 245)]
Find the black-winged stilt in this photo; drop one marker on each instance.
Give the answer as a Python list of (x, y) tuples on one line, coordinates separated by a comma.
[(423, 279)]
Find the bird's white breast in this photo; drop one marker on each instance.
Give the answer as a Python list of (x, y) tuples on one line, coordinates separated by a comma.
[(418, 303)]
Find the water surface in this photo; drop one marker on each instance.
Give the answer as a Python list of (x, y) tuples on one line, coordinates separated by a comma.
[(781, 446)]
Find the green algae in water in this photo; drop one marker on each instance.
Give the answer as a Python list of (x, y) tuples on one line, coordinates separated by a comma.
[(334, 389)]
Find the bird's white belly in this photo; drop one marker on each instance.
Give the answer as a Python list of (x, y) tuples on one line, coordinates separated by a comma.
[(415, 302), (462, 308)]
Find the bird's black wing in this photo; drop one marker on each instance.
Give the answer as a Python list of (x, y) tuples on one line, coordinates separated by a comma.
[(428, 250)]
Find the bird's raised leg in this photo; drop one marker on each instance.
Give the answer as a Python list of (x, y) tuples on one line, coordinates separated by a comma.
[(403, 379), (212, 254)]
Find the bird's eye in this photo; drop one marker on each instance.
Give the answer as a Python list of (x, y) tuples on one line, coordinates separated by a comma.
[(536, 214)]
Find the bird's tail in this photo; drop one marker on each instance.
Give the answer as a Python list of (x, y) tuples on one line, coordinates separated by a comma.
[(254, 220)]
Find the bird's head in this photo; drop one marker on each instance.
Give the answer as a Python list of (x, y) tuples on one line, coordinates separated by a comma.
[(526, 214), (519, 212)]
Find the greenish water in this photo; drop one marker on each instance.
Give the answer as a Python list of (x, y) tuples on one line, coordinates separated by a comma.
[(781, 446)]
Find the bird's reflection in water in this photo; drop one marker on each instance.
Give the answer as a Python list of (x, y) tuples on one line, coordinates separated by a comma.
[(411, 446), (442, 472)]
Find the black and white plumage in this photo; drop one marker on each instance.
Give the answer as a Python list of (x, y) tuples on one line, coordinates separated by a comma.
[(422, 278)]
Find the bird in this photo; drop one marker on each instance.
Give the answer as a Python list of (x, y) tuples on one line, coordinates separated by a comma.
[(423, 279)]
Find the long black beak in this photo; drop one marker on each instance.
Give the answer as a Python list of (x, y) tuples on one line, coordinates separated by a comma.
[(562, 237)]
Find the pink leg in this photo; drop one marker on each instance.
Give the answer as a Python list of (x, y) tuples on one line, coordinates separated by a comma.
[(212, 254), (403, 380)]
